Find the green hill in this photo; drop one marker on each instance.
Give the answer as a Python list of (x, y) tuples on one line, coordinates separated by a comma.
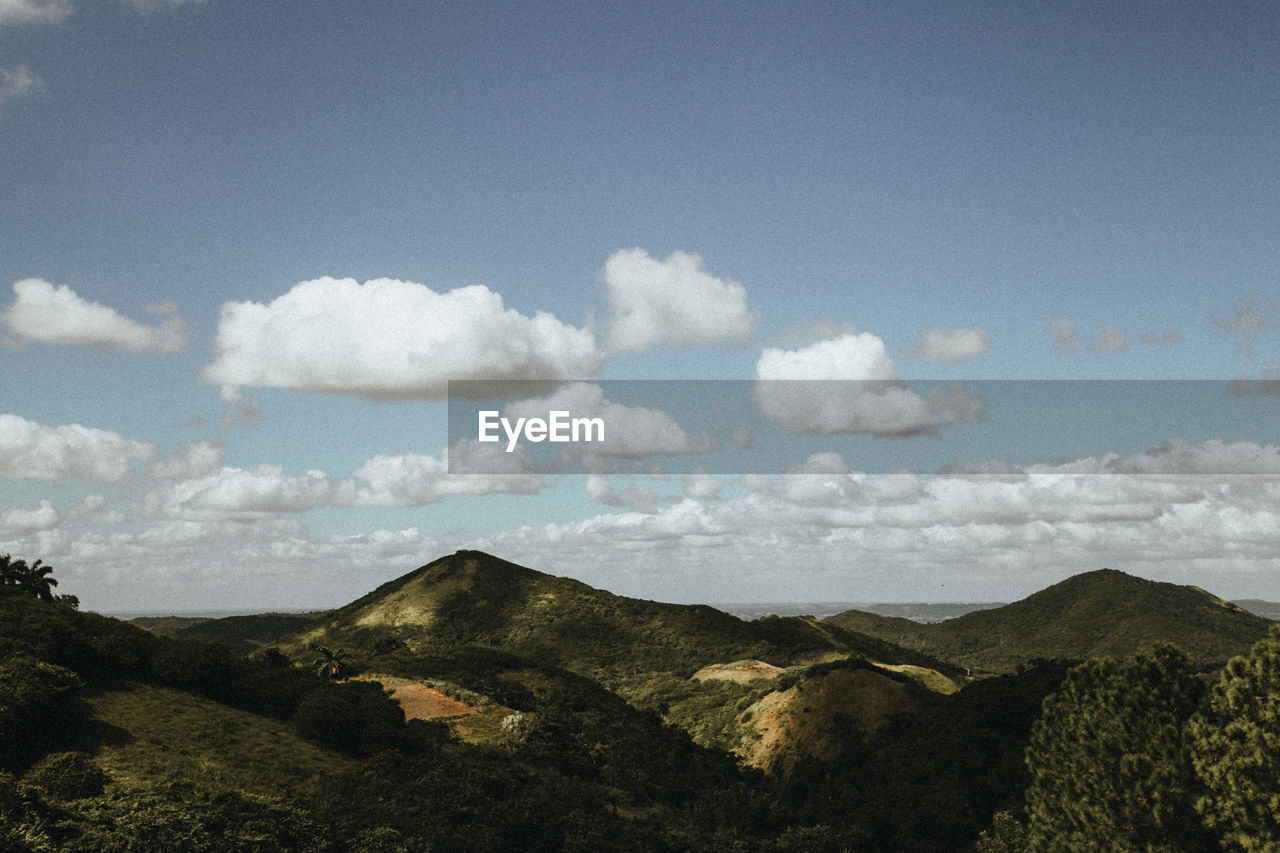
[(1105, 613), (473, 599), (241, 634)]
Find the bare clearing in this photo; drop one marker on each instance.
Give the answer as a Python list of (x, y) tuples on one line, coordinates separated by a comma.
[(740, 671)]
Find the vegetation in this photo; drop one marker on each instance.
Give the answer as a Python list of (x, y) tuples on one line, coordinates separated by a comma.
[(1235, 751), (35, 579), (243, 635), (1109, 765), (1105, 613), (116, 738)]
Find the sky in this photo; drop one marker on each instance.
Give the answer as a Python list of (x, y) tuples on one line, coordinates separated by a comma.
[(953, 269)]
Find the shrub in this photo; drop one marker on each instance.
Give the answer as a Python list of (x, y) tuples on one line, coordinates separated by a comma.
[(355, 717), (68, 776)]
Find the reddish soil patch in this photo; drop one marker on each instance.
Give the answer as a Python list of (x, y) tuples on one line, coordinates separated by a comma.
[(427, 703)]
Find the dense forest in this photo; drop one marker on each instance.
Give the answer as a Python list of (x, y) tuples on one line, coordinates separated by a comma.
[(595, 722)]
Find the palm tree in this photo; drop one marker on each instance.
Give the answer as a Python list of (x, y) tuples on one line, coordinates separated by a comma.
[(37, 581), (11, 571), (330, 664)]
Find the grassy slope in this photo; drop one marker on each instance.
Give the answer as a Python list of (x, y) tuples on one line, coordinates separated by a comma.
[(472, 598), (1101, 613), (163, 735), (644, 651), (241, 634)]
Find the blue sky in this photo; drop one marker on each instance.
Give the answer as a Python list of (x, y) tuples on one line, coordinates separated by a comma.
[(945, 191)]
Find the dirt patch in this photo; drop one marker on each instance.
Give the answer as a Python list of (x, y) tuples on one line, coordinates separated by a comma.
[(421, 702), (740, 671)]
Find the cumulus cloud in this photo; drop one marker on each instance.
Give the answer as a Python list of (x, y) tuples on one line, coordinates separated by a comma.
[(1109, 339), (383, 481), (96, 509), (388, 340), (191, 461), (29, 450), (14, 12), (188, 564), (631, 433), (634, 496), (1065, 337), (1164, 512), (949, 345), (20, 81), (412, 479), (698, 485), (849, 385), (793, 531), (673, 302), (21, 522), (57, 315)]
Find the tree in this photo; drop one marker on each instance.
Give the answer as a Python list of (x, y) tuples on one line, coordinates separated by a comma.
[(331, 664), (34, 578), (37, 579), (1109, 765), (1235, 748), (11, 571)]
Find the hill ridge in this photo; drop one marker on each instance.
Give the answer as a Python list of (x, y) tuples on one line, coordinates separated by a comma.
[(1100, 613)]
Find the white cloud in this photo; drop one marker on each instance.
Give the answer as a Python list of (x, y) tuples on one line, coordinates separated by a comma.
[(30, 450), (191, 461), (57, 315), (383, 481), (673, 302), (631, 433), (237, 493), (701, 486), (1109, 339), (389, 340), (779, 538), (849, 386), (21, 522), (790, 537), (96, 509), (20, 81), (1065, 336), (634, 496), (33, 11), (852, 356), (949, 345), (413, 479)]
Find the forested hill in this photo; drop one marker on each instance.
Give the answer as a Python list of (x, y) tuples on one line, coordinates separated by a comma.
[(472, 598), (1104, 613)]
